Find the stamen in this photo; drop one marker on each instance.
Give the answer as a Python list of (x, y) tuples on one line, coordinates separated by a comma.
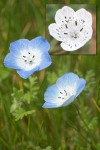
[(30, 61), (65, 33), (66, 25), (28, 52), (57, 30), (61, 92), (67, 21), (33, 56), (75, 45), (25, 60), (59, 97), (65, 92), (24, 56), (81, 29), (76, 23)]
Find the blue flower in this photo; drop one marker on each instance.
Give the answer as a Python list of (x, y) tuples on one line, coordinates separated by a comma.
[(64, 92), (28, 56)]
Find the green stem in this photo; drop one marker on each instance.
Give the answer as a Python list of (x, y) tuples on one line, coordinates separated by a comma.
[(28, 127), (77, 130), (81, 117)]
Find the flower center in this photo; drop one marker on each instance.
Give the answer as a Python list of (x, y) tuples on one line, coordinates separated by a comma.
[(74, 35), (63, 95), (28, 59)]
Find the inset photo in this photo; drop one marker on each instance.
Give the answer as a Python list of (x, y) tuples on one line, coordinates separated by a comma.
[(71, 29)]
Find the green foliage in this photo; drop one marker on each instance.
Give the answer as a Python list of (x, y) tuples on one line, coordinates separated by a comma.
[(22, 99), (90, 78), (47, 148), (19, 113)]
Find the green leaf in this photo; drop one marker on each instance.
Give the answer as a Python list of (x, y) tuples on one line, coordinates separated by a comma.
[(20, 113)]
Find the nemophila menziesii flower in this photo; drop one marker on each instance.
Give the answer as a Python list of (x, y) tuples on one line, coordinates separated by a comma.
[(72, 28), (28, 56), (64, 92)]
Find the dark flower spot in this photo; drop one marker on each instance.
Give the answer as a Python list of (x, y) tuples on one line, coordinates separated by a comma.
[(75, 45), (66, 26), (76, 23), (30, 61), (61, 92), (65, 33), (65, 92), (81, 29)]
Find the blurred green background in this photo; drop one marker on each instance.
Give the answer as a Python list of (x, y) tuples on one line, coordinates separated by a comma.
[(45, 129), (90, 46)]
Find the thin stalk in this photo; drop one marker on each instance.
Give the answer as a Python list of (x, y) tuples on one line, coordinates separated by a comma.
[(77, 130), (81, 117), (28, 127)]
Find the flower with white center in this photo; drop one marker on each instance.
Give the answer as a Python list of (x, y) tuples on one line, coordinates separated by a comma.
[(28, 56), (72, 28), (64, 92)]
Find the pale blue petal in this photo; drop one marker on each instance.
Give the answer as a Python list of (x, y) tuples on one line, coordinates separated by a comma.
[(68, 79), (51, 105), (25, 74), (46, 61), (19, 45), (40, 43), (80, 87), (10, 61), (68, 101), (51, 94)]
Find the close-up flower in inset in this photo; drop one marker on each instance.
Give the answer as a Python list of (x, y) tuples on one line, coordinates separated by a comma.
[(64, 92), (28, 56), (72, 29)]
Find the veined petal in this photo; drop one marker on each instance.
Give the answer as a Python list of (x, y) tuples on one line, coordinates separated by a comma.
[(69, 46), (19, 45), (51, 94), (40, 43), (68, 82), (63, 15), (68, 101), (25, 74), (45, 61), (80, 87), (84, 16), (11, 61), (85, 35), (55, 31), (51, 105)]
